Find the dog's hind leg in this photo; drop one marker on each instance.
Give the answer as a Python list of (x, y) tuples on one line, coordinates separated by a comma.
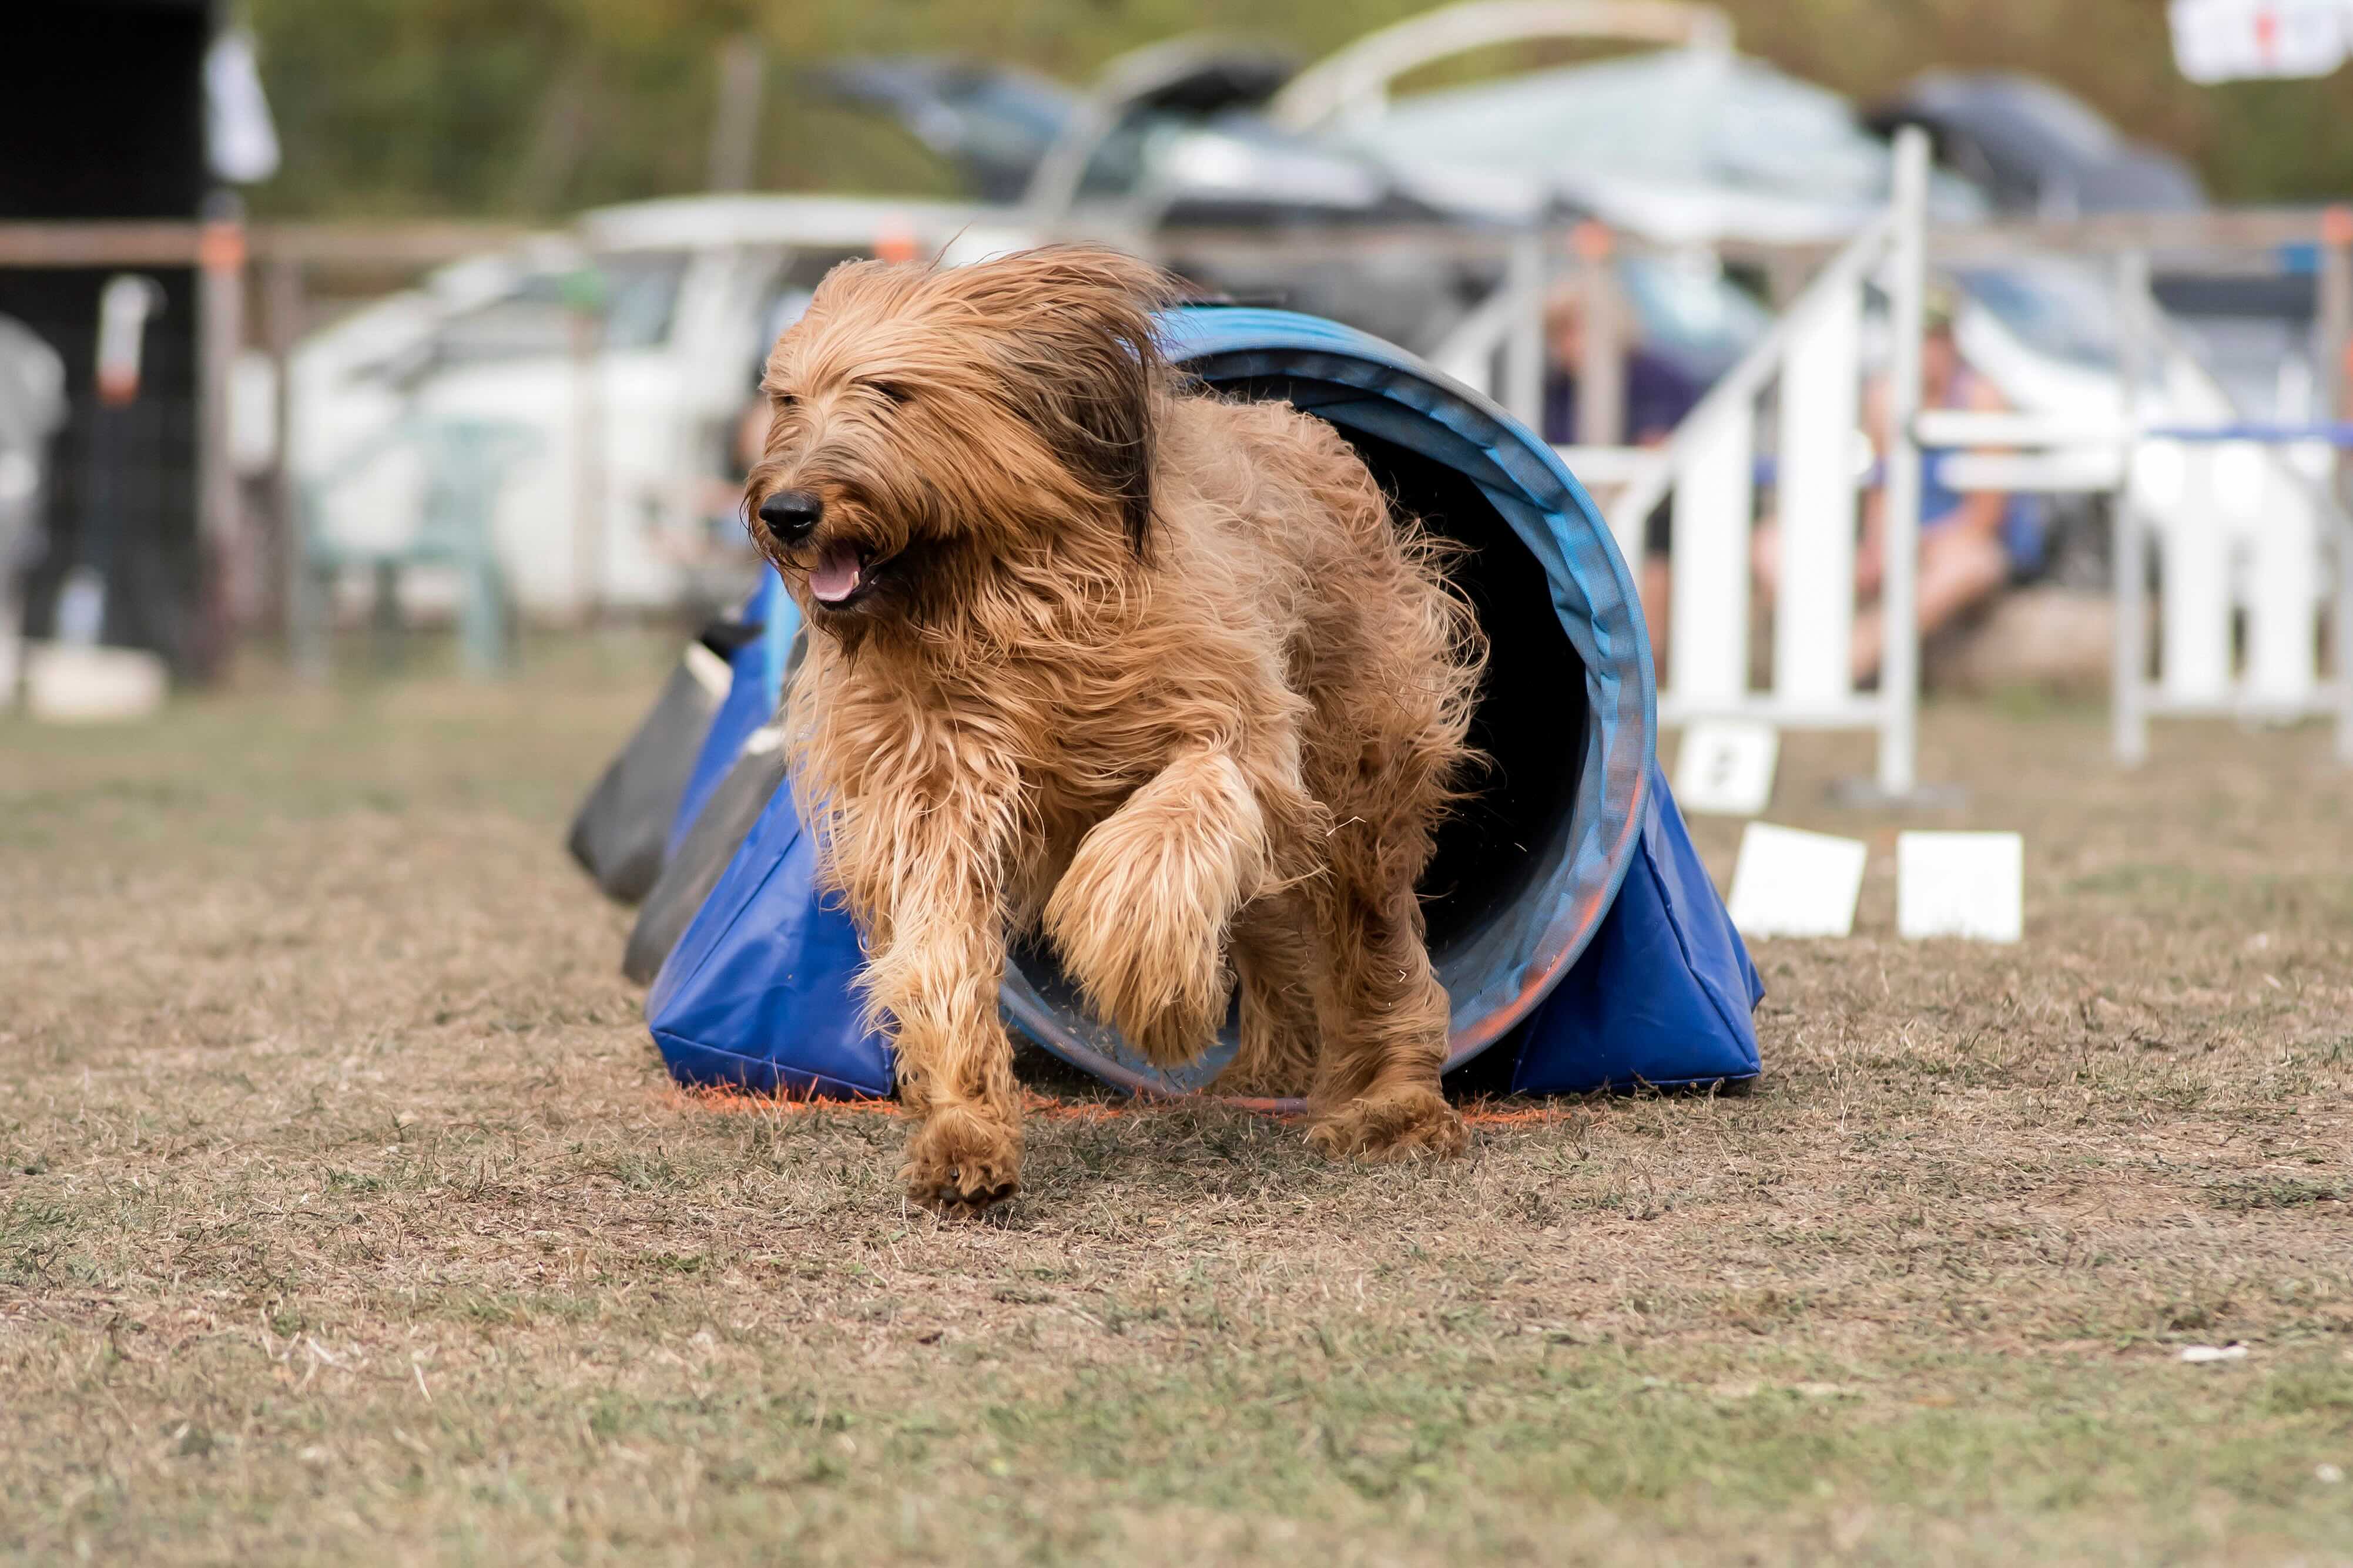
[(1139, 918), (1384, 1016)]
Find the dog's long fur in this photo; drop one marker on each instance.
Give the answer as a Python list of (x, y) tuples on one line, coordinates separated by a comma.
[(1156, 673)]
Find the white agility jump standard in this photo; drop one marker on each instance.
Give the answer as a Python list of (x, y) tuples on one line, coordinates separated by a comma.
[(2245, 520), (1810, 358), (1814, 352)]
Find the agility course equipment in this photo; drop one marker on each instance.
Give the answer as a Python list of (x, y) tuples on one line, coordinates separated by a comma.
[(621, 832), (2244, 520), (2234, 540), (1568, 915), (1710, 470)]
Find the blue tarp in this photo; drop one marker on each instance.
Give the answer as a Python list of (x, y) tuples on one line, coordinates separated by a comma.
[(754, 692), (758, 993), (1664, 992), (1616, 965)]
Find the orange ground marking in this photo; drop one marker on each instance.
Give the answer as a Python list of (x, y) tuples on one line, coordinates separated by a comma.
[(1499, 1113)]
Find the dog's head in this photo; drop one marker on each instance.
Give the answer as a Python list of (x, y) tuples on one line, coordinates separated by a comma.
[(941, 432)]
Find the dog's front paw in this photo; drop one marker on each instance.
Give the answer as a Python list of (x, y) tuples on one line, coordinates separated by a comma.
[(963, 1161), (1142, 932), (1409, 1123)]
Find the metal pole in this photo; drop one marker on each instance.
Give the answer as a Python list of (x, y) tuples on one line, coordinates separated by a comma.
[(2335, 342), (220, 332), (2341, 629), (300, 619), (2131, 543), (1524, 343), (1601, 368), (736, 127), (1899, 663), (588, 542)]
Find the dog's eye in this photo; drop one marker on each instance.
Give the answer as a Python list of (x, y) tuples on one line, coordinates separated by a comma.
[(899, 395), (785, 399)]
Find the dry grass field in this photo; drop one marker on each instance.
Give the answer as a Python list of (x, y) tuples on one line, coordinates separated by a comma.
[(346, 1213)]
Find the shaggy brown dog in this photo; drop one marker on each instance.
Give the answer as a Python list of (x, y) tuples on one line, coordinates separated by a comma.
[(1097, 653)]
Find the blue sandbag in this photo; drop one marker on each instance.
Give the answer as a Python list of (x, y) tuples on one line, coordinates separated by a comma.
[(753, 696), (1663, 996), (758, 993)]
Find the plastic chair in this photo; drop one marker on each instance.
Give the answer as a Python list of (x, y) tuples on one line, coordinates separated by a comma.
[(465, 464)]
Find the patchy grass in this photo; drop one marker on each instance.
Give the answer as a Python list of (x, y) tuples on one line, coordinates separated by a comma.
[(345, 1213)]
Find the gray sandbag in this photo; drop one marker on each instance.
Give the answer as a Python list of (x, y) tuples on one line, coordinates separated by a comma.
[(622, 829), (719, 828)]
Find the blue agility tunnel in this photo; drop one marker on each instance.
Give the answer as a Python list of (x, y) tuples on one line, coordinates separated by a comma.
[(1570, 918)]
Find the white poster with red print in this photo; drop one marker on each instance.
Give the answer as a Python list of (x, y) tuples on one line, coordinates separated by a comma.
[(2231, 40)]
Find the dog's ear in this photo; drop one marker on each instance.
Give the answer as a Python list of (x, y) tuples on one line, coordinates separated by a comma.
[(1074, 324)]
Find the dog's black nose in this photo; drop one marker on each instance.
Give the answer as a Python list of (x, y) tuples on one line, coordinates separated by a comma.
[(791, 514)]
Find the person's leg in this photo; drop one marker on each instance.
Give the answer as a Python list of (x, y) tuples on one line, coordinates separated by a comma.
[(1959, 568), (1657, 590), (1653, 580), (1765, 559)]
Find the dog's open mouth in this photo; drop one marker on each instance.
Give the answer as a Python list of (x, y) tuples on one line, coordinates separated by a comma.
[(840, 574)]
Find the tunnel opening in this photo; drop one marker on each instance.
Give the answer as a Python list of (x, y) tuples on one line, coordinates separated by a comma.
[(1510, 839)]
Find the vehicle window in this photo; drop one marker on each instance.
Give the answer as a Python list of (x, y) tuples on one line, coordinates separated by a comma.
[(1690, 312), (528, 323), (2066, 120), (2061, 308), (1116, 166), (1791, 136), (640, 294), (534, 319), (807, 268)]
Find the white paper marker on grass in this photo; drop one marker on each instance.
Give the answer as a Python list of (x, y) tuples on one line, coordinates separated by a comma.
[(1960, 884), (1726, 767), (1788, 883)]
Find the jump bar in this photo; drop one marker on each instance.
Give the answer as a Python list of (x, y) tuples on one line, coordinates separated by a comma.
[(1951, 429)]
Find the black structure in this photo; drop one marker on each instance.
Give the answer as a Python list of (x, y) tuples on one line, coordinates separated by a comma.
[(2036, 149), (102, 110)]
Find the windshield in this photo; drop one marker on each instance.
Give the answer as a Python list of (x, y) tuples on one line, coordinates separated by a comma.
[(2085, 136), (1694, 119), (1686, 114), (2061, 308), (640, 292), (1690, 312), (534, 319)]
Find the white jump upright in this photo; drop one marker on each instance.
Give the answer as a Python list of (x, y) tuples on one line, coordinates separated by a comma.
[(1814, 353), (1715, 490), (1811, 358), (1907, 310), (2240, 524), (2234, 540), (1813, 622), (2244, 524)]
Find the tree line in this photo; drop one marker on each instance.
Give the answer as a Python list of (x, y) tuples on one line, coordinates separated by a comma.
[(535, 107)]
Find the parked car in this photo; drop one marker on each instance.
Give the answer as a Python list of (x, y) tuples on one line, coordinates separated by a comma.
[(628, 348), (1689, 145), (1206, 133), (2035, 149)]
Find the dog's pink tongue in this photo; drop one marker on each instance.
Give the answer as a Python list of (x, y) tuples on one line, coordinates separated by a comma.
[(835, 576)]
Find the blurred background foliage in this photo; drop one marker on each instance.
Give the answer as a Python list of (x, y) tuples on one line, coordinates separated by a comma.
[(535, 107)]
